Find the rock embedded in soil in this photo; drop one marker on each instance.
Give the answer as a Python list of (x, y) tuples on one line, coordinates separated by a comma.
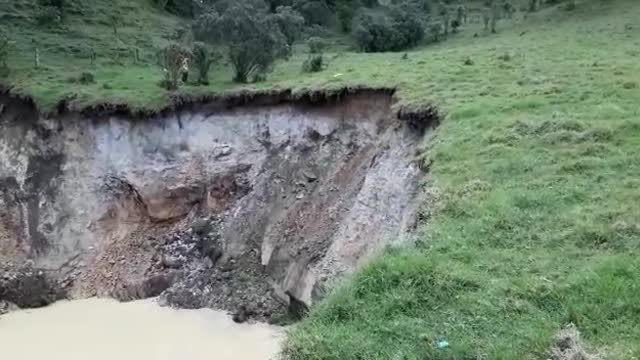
[(27, 287)]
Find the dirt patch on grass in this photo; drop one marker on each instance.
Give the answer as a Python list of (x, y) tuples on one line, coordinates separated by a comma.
[(568, 345)]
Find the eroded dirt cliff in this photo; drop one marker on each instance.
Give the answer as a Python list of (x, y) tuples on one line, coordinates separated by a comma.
[(252, 209)]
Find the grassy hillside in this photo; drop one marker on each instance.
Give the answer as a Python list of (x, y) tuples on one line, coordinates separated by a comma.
[(65, 51), (536, 172), (537, 167)]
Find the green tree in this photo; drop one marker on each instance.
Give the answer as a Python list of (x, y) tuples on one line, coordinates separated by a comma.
[(203, 58), (251, 35), (180, 7), (399, 28), (290, 23), (318, 12), (446, 18), (345, 11), (315, 61)]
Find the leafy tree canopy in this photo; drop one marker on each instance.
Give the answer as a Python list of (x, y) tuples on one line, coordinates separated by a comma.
[(254, 37)]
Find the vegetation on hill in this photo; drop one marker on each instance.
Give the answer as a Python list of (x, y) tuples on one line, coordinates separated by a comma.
[(121, 43), (534, 218), (535, 221)]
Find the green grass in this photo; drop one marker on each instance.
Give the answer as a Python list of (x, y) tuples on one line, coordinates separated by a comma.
[(65, 52), (536, 166)]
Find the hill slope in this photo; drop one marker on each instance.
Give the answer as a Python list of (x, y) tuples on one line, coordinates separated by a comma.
[(536, 169), (65, 51)]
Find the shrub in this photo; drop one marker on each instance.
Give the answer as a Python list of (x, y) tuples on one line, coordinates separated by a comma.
[(455, 24), (316, 45), (86, 78), (172, 60), (202, 60), (314, 63), (435, 30), (398, 29), (373, 32)]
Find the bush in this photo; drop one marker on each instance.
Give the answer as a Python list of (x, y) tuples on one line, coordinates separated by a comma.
[(316, 45), (202, 60), (172, 60), (397, 29), (435, 30), (86, 78), (314, 63)]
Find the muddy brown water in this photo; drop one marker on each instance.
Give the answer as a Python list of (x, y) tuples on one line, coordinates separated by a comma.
[(100, 329)]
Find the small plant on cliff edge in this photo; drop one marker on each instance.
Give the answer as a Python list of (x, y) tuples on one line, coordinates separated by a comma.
[(315, 62), (4, 53), (316, 45), (202, 60), (174, 62)]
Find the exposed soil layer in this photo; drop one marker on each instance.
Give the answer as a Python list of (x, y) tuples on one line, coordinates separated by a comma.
[(253, 204)]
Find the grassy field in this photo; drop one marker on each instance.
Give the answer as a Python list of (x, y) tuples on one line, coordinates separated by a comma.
[(536, 172), (538, 168)]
